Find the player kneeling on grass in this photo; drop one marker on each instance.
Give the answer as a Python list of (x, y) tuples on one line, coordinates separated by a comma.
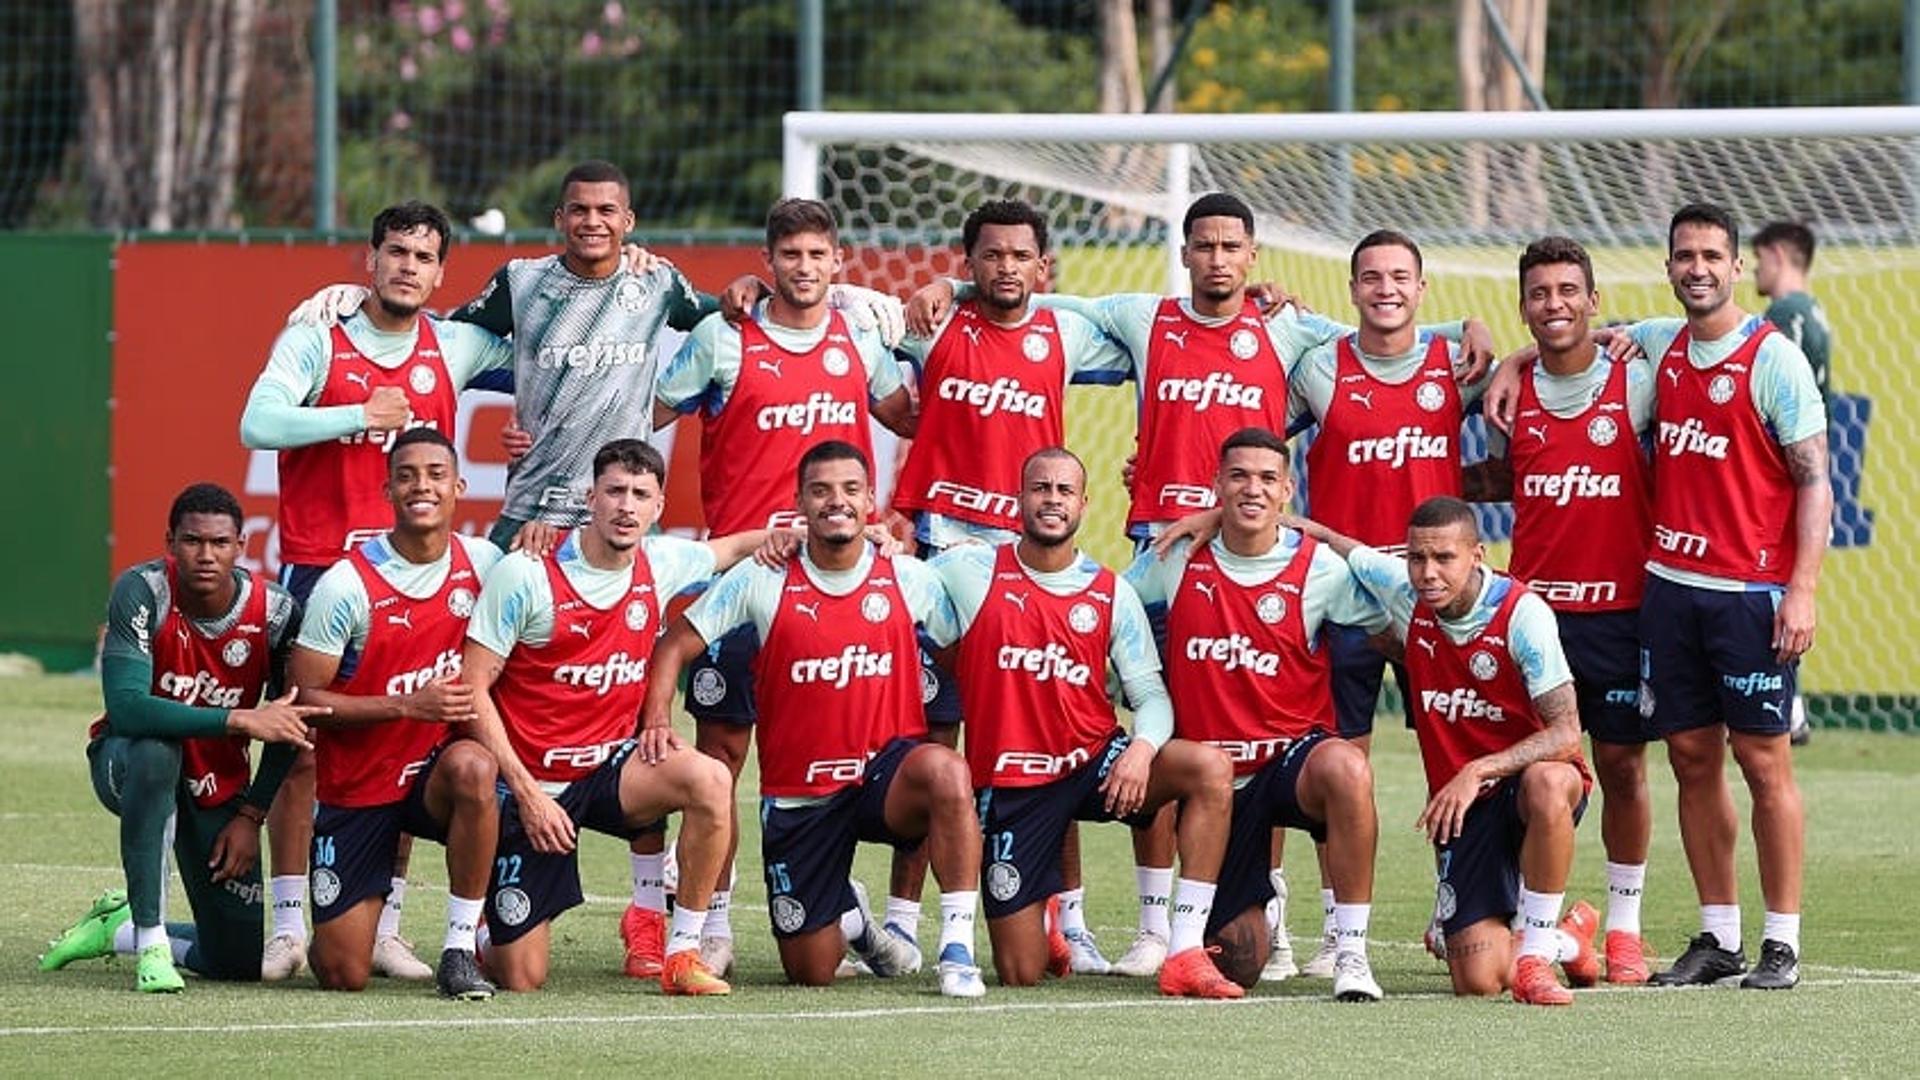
[(558, 657), (842, 749), (391, 759), (191, 644), (1499, 733), (1042, 622)]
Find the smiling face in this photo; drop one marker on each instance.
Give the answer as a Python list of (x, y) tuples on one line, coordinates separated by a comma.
[(1218, 254), (803, 265), (1254, 487), (624, 504), (424, 485), (1702, 267), (406, 268), (1053, 499), (204, 548), (1441, 561), (1386, 287), (593, 219), (1558, 305), (835, 500)]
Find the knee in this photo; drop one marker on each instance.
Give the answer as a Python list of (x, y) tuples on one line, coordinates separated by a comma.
[(152, 763), (1480, 982), (518, 977), (471, 772), (1548, 790), (709, 782), (1014, 973), (1694, 759), (335, 972), (1346, 775)]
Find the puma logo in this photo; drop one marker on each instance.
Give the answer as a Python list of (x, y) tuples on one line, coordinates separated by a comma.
[(1204, 588), (1539, 433), (405, 619), (972, 332), (360, 379), (811, 611), (1673, 375), (1772, 707), (1018, 600), (1179, 339), (583, 629), (1425, 644), (1365, 400), (770, 365)]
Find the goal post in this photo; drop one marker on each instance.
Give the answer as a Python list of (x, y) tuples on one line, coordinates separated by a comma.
[(1472, 189)]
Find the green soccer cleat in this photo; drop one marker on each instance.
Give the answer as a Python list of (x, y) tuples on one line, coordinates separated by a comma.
[(155, 974), (92, 936)]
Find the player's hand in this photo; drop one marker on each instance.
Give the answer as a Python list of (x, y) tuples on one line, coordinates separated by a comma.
[(1502, 399), (1793, 625), (537, 538), (1127, 469), (1389, 645), (638, 261), (328, 306), (736, 302), (870, 309), (386, 409), (1200, 526), (884, 539), (548, 827), (1271, 299), (445, 700), (929, 307), (279, 720), (1126, 784), (236, 848), (1476, 353), (779, 547), (515, 440), (657, 741), (1446, 813), (1620, 346)]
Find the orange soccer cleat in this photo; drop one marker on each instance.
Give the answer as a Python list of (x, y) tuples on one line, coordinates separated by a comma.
[(1627, 959), (1580, 923), (683, 974), (1534, 984), (645, 935), (1191, 973), (1059, 953)]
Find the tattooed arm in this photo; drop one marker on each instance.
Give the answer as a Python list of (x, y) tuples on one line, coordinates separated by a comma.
[(1793, 620), (1558, 740)]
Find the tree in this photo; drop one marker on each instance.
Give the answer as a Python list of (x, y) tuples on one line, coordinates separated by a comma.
[(164, 87)]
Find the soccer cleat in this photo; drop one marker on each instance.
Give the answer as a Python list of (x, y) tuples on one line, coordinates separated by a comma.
[(1580, 922), (1799, 731), (1191, 973), (959, 975), (644, 933), (1778, 969), (851, 967), (1321, 966), (92, 935), (1280, 966), (284, 957), (393, 957), (1059, 953), (1435, 939), (888, 951), (1626, 958), (684, 975), (1704, 963), (1143, 958), (459, 977), (1353, 978), (717, 953), (1086, 953), (155, 973), (1533, 983)]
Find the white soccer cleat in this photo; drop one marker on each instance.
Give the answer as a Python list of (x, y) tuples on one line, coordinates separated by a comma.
[(716, 953), (959, 980), (888, 952), (851, 967), (1086, 953), (1321, 966), (283, 957), (1143, 958), (1353, 978), (1280, 966), (393, 957)]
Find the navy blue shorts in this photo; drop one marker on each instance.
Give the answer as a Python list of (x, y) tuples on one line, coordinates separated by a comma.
[(1706, 657), (1270, 798), (808, 850), (1023, 828), (939, 690), (529, 887), (720, 679), (299, 579), (1480, 869), (353, 847), (1358, 672), (1603, 651)]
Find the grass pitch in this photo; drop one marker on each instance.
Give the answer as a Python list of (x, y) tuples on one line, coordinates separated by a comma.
[(1854, 1013)]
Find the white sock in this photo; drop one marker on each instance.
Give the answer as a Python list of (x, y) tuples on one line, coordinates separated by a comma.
[(1327, 927), (1350, 927), (1782, 926), (482, 938), (904, 914), (719, 920), (683, 932), (1625, 883), (1156, 891), (390, 913), (181, 947), (649, 883), (853, 924), (1540, 924), (1073, 911), (289, 906), (143, 936), (1192, 903), (1519, 920), (463, 918), (1723, 922), (956, 919)]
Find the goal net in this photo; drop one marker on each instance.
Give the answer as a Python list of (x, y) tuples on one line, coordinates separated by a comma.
[(1473, 189)]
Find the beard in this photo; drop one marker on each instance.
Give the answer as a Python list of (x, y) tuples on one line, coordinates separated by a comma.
[(398, 309)]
